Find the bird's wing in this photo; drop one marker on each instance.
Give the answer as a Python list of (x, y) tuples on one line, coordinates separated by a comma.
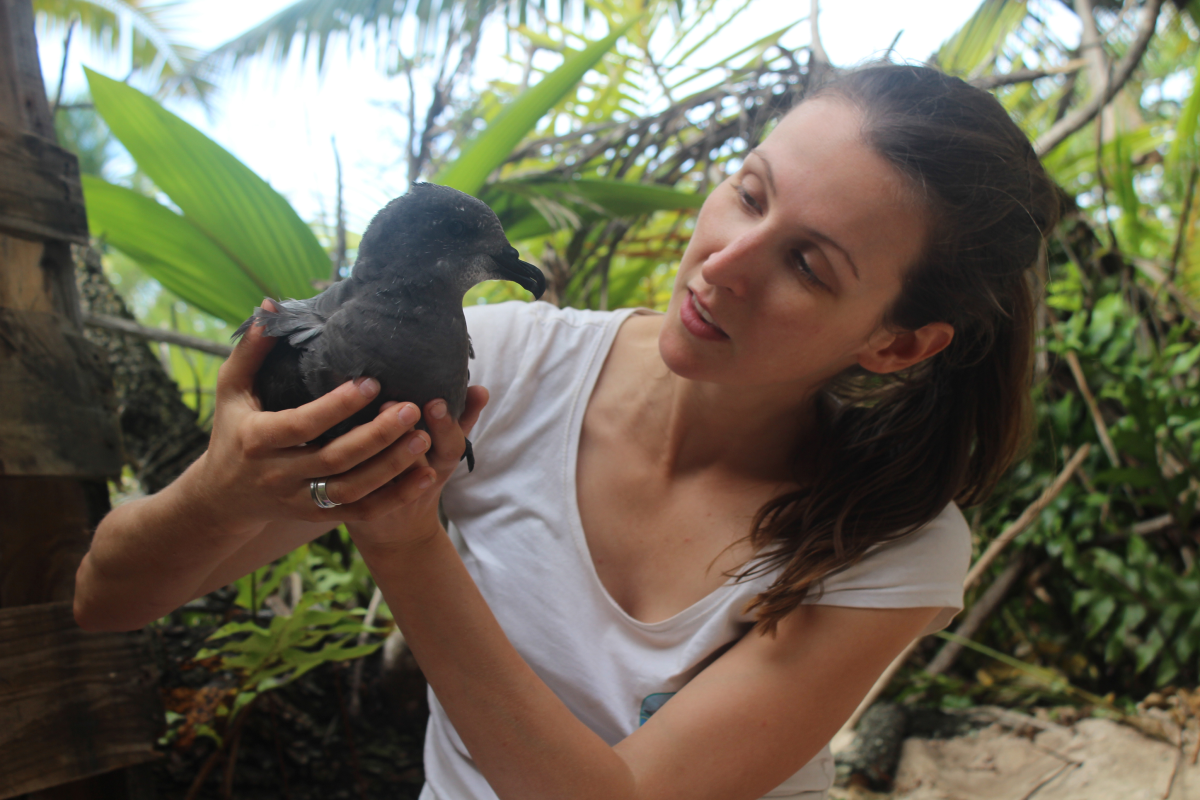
[(301, 321)]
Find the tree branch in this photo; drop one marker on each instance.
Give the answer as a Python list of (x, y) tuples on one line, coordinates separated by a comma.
[(1027, 517), (818, 58), (1089, 398), (339, 249), (1084, 114), (980, 610), (1017, 527), (156, 334), (1026, 75)]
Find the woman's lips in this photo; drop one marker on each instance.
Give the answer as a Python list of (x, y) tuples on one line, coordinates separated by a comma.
[(698, 321)]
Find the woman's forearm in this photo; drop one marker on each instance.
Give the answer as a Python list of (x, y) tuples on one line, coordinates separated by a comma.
[(526, 742), (150, 556)]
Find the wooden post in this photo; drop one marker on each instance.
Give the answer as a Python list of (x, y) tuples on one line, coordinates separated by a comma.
[(72, 705)]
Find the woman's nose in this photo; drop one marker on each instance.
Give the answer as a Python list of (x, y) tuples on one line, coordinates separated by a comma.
[(731, 266)]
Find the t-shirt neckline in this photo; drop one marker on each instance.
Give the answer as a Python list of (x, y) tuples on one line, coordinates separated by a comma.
[(579, 405)]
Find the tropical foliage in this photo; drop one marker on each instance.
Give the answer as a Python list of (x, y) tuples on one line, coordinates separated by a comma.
[(144, 34), (596, 160)]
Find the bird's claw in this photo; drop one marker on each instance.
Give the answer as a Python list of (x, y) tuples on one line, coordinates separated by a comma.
[(469, 455)]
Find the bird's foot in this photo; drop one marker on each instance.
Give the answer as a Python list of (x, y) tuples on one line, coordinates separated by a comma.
[(469, 455)]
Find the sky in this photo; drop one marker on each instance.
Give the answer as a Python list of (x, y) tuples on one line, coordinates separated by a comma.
[(280, 121)]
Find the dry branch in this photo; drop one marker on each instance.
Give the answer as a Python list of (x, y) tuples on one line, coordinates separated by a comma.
[(1084, 113), (1027, 517), (1093, 408), (981, 609), (1011, 532), (156, 334), (818, 58), (1026, 75), (1160, 279)]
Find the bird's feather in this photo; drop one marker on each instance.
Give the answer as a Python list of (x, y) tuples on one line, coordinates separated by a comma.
[(398, 317)]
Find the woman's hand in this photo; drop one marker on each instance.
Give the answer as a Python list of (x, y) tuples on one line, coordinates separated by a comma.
[(256, 471), (415, 518)]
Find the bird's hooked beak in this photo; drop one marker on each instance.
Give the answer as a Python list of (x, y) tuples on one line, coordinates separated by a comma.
[(522, 272)]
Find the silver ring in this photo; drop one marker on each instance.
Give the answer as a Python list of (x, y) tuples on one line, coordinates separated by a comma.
[(317, 490)]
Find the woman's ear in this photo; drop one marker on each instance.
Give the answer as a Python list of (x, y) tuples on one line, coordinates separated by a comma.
[(892, 352)]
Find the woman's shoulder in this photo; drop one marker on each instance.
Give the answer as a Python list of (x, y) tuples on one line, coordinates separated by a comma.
[(925, 568), (518, 338)]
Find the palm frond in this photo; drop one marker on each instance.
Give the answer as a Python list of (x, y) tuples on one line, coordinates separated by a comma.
[(145, 31)]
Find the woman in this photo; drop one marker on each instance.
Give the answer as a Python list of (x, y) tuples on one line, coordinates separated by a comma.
[(693, 540)]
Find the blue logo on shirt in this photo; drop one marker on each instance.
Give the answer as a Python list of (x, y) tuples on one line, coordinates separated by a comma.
[(651, 704)]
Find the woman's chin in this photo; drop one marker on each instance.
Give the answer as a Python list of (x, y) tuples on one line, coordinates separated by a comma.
[(680, 352)]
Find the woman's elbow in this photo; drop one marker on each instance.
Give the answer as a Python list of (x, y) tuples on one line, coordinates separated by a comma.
[(92, 615)]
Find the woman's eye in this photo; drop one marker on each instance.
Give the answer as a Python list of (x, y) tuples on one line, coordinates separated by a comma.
[(806, 272), (748, 199)]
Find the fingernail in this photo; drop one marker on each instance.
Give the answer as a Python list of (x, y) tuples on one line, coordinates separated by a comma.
[(368, 387), (418, 444), (408, 414), (425, 482), (438, 410)]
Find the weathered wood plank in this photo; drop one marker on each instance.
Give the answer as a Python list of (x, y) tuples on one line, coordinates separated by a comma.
[(57, 414), (72, 704), (23, 102), (40, 193), (45, 529), (23, 284)]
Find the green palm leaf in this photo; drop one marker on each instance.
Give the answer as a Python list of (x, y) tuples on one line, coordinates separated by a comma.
[(234, 208), (314, 24), (154, 40), (528, 208), (172, 250), (978, 41), (487, 151)]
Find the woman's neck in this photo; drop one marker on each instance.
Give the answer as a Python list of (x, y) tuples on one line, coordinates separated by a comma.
[(689, 426)]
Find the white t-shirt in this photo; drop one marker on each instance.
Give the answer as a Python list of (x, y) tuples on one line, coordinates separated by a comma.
[(523, 543)]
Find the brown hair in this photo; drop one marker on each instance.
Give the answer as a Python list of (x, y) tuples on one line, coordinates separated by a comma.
[(897, 448)]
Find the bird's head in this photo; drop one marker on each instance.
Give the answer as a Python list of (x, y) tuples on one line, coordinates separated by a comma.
[(435, 233)]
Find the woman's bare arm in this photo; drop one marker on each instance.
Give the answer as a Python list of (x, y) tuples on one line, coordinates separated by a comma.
[(739, 729), (748, 721), (246, 501)]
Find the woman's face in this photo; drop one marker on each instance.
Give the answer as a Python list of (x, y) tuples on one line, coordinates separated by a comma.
[(794, 259)]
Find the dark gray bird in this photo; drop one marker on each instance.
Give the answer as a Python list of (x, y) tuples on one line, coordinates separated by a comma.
[(398, 318)]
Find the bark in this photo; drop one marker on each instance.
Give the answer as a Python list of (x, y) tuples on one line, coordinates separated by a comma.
[(160, 432)]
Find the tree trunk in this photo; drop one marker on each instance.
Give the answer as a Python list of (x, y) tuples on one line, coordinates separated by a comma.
[(160, 432)]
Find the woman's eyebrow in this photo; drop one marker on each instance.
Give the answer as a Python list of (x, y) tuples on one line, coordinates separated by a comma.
[(814, 234), (767, 165)]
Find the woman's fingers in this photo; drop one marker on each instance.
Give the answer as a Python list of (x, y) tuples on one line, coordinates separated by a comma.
[(448, 439), (380, 470), (303, 424), (402, 491), (236, 375), (361, 443)]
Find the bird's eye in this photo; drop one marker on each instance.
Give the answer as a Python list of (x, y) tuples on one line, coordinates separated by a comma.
[(456, 227)]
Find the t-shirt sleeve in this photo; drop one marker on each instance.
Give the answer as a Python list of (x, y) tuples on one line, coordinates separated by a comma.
[(924, 569)]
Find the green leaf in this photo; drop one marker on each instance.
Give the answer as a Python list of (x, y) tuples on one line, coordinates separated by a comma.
[(978, 40), (1147, 651), (537, 207), (491, 147), (171, 249), (1099, 615), (236, 209), (1168, 668), (1184, 143), (619, 198)]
